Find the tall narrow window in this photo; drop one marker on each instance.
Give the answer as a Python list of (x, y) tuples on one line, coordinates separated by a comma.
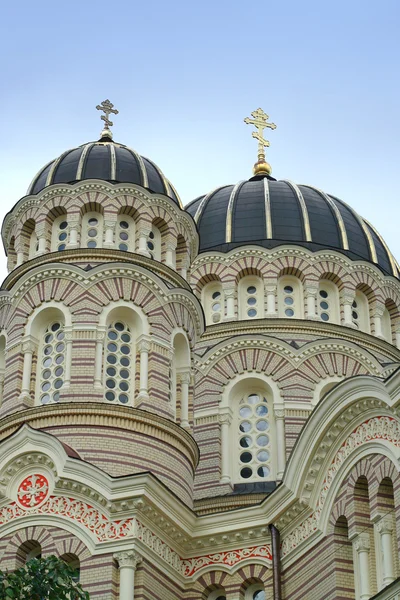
[(328, 302), (119, 363), (154, 243), (251, 298), (126, 233), (290, 298), (59, 234), (213, 302), (386, 326), (360, 312), (92, 230), (253, 446), (51, 363)]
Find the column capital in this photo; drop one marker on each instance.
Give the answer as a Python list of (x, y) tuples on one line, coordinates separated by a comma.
[(311, 290), (229, 292), (362, 543), (28, 345), (185, 376), (128, 558), (225, 417), (144, 343), (385, 525), (279, 412), (348, 297)]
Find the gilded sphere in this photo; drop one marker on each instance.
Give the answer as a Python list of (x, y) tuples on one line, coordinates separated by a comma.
[(262, 168)]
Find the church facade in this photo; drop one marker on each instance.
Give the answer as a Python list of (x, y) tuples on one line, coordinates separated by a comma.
[(198, 403)]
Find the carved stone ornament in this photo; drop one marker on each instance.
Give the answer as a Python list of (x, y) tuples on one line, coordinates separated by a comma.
[(33, 490), (362, 543), (385, 525), (224, 419), (128, 558)]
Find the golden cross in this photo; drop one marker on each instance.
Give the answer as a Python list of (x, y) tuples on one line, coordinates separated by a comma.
[(260, 121), (107, 108)]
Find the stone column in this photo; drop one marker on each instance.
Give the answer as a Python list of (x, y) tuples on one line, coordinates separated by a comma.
[(279, 413), (378, 314), (109, 228), (229, 295), (144, 345), (348, 300), (20, 257), (42, 245), (170, 255), (128, 560), (185, 377), (385, 530), (73, 237), (143, 235), (398, 338), (100, 336), (225, 419), (270, 292), (184, 268), (362, 547), (28, 348), (311, 302), (68, 357), (2, 373)]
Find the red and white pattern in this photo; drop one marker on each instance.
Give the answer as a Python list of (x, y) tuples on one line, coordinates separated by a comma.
[(231, 558), (33, 490)]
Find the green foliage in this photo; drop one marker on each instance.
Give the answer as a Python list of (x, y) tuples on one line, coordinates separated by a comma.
[(41, 579)]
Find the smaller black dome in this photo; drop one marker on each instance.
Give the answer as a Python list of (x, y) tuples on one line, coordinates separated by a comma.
[(270, 213), (106, 160)]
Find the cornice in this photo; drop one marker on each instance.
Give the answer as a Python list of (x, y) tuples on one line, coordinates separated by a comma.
[(103, 256), (296, 328), (100, 415)]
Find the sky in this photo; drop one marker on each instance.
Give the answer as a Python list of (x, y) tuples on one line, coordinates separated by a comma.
[(184, 75)]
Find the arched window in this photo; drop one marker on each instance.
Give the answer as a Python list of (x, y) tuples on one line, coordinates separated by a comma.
[(360, 312), (385, 535), (290, 297), (213, 302), (328, 302), (256, 592), (182, 256), (154, 243), (343, 559), (29, 239), (92, 230), (29, 550), (119, 368), (12, 255), (386, 326), (72, 561), (59, 234), (180, 379), (51, 363), (33, 245), (253, 437), (126, 232), (251, 298)]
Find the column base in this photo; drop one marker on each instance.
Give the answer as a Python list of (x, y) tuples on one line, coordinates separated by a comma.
[(185, 424), (142, 397), (225, 479), (26, 399)]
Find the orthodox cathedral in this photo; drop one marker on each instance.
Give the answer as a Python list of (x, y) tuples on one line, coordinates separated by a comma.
[(200, 402)]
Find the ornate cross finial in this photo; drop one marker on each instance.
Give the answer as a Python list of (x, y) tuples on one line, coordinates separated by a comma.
[(260, 122), (107, 107)]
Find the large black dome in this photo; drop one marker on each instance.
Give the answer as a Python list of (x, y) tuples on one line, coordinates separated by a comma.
[(105, 160), (270, 213)]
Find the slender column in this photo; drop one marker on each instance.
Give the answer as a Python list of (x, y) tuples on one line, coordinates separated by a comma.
[(225, 419), (185, 268), (311, 301), (270, 292), (42, 245), (101, 334), (68, 357), (362, 546), (170, 258), (109, 227), (2, 373), (280, 441), (185, 381), (73, 237), (20, 258), (144, 349), (143, 237), (378, 314), (28, 349), (398, 338), (229, 294), (128, 560), (348, 300), (385, 529)]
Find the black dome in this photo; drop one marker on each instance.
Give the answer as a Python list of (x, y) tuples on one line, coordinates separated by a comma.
[(270, 213), (105, 160)]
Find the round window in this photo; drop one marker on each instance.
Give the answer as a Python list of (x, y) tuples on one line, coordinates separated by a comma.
[(124, 225), (288, 300), (216, 295), (246, 473), (325, 316), (324, 305), (252, 312), (288, 289), (323, 294), (251, 289), (289, 312)]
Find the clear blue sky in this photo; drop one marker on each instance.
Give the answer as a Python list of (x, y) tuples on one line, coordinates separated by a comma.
[(184, 75)]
